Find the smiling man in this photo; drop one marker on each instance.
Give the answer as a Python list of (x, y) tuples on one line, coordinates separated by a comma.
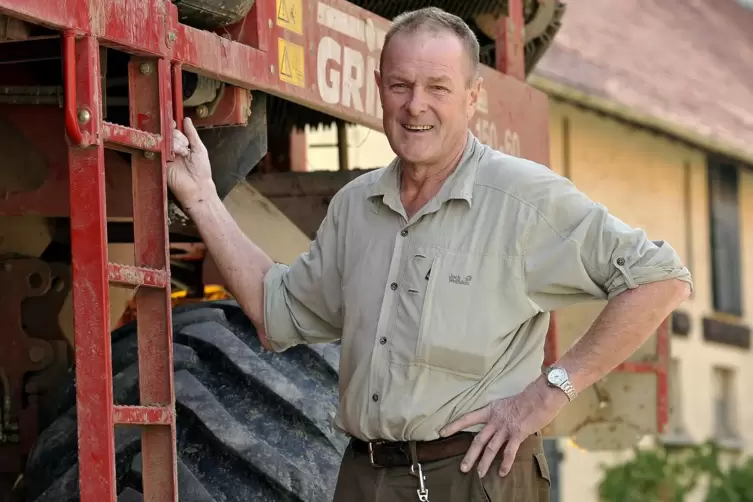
[(438, 273)]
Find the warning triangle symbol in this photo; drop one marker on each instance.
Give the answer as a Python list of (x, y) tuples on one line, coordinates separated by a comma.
[(282, 12), (285, 68)]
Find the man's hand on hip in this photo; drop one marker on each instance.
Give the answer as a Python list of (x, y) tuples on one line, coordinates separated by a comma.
[(508, 422)]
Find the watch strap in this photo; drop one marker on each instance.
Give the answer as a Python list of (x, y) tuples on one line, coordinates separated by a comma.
[(568, 388)]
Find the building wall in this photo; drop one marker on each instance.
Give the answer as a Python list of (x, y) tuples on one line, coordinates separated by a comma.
[(659, 185)]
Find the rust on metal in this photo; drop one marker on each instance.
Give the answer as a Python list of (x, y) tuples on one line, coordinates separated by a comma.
[(143, 415), (129, 137), (137, 276)]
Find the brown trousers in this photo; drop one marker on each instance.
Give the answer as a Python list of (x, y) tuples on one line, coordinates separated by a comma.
[(527, 481)]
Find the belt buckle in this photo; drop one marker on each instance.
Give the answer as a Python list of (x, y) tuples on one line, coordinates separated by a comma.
[(371, 453)]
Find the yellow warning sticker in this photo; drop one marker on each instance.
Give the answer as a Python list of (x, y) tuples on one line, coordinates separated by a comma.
[(290, 15), (291, 63)]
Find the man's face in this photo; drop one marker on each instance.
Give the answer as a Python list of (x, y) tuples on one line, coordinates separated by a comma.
[(427, 102)]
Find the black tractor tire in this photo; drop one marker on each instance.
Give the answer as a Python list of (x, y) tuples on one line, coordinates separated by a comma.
[(251, 425)]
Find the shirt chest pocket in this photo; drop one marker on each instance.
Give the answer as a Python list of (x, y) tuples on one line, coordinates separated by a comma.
[(471, 302)]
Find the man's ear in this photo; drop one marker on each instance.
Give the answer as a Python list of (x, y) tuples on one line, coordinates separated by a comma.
[(378, 79), (475, 90)]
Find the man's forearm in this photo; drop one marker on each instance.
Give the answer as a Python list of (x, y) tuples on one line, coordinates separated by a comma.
[(242, 264), (623, 326)]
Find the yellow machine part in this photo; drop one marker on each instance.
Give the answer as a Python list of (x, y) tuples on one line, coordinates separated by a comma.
[(211, 293)]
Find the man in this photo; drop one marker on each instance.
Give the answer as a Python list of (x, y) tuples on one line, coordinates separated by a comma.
[(437, 274)]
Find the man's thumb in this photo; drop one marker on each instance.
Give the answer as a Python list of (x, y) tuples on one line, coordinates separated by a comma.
[(193, 136)]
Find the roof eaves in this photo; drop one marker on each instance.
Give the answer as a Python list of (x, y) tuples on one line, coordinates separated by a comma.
[(568, 93)]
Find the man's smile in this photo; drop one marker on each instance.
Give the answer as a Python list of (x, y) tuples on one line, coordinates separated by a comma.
[(417, 128)]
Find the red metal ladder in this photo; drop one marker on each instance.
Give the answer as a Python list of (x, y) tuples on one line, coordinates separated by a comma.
[(149, 142)]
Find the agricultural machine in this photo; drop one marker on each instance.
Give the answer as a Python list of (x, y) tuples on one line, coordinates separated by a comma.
[(121, 379)]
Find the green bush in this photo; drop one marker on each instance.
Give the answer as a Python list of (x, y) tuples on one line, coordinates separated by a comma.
[(669, 474)]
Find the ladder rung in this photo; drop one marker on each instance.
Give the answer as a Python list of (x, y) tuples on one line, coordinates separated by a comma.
[(130, 137), (137, 276), (142, 415)]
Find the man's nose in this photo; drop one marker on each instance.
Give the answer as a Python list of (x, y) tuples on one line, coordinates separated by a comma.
[(417, 102)]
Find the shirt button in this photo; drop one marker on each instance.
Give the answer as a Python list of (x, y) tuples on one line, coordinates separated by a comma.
[(375, 397), (383, 340), (620, 261), (404, 233), (393, 286)]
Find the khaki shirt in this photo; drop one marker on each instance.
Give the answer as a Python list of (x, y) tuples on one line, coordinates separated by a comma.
[(446, 311)]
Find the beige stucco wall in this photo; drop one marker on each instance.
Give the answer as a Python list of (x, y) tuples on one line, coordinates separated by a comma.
[(654, 183), (643, 179)]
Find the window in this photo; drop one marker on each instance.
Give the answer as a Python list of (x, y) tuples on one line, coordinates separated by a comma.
[(724, 222), (725, 426)]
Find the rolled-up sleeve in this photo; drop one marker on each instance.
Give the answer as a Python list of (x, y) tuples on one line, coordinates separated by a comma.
[(302, 301), (576, 250)]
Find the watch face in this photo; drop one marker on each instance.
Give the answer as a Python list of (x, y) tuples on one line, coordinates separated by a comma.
[(557, 376)]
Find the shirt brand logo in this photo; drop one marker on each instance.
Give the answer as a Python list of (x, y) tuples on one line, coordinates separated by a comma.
[(456, 279)]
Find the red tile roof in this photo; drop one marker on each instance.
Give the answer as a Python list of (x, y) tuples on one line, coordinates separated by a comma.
[(688, 63)]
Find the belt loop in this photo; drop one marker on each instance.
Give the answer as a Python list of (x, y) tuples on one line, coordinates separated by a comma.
[(371, 452)]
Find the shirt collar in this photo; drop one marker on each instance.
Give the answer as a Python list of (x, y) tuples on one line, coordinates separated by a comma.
[(459, 185)]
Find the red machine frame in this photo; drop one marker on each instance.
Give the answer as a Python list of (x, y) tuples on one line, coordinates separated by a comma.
[(267, 51)]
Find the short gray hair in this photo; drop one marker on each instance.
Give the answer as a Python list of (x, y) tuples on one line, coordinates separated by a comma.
[(436, 20)]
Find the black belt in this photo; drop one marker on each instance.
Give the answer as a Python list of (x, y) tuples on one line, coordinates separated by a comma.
[(397, 453)]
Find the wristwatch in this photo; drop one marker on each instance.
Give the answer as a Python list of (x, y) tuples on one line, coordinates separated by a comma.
[(557, 377)]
